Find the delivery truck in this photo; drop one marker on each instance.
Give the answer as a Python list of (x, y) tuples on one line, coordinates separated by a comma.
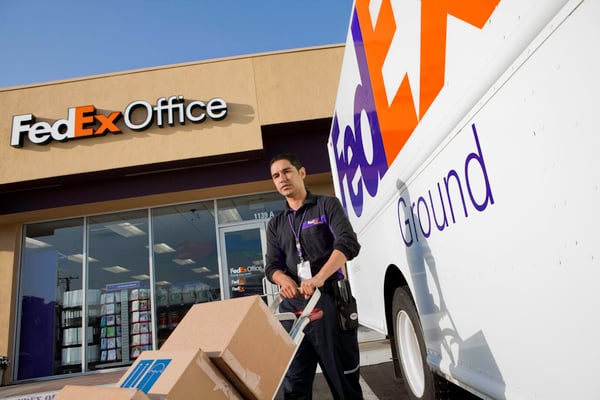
[(464, 147)]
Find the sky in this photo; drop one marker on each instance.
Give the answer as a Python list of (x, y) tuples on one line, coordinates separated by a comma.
[(48, 40)]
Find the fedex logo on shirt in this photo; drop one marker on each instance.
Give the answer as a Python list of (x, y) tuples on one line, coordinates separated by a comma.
[(315, 221), (394, 69)]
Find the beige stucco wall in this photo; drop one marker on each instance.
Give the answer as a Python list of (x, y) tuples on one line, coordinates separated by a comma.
[(311, 76), (232, 80), (259, 90)]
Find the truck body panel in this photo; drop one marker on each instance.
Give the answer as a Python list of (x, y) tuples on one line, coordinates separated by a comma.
[(471, 167)]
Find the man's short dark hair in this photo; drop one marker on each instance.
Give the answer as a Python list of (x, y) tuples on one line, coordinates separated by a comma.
[(291, 157)]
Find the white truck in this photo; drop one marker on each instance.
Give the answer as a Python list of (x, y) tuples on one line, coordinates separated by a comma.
[(465, 147)]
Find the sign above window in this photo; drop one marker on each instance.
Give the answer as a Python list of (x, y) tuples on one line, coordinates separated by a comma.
[(139, 115)]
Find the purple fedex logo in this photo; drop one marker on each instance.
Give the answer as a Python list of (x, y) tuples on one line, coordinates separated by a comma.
[(359, 153), (400, 53), (353, 160)]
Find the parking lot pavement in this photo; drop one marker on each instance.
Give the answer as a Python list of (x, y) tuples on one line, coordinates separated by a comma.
[(377, 377), (377, 381)]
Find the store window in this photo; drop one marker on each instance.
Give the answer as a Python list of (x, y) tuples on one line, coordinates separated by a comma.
[(118, 296), (242, 233), (255, 207), (186, 261), (50, 299), (129, 278)]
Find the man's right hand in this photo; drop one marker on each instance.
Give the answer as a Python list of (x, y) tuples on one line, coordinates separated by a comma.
[(288, 288)]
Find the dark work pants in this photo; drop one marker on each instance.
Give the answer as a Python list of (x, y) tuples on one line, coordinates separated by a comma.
[(325, 344)]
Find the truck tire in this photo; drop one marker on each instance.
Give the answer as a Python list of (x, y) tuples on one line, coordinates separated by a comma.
[(421, 383)]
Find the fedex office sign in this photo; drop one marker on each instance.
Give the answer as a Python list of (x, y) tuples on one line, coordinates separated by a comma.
[(86, 121)]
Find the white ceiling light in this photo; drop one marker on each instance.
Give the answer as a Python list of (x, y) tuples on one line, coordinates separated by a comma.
[(142, 277), (229, 215), (201, 270), (117, 269), (184, 261), (126, 229), (79, 258), (35, 244), (161, 248)]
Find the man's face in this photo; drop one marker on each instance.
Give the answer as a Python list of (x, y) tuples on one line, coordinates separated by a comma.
[(288, 180)]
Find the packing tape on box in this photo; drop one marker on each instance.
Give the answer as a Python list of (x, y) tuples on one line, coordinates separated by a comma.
[(250, 379), (221, 384)]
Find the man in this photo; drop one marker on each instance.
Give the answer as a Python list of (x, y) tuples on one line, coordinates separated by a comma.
[(307, 245)]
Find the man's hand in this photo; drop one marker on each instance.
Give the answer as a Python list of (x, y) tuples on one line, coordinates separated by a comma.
[(287, 286), (335, 261), (307, 287)]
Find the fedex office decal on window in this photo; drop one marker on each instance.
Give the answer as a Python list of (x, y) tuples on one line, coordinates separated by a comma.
[(86, 121)]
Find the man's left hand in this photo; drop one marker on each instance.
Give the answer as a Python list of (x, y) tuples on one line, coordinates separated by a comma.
[(307, 287)]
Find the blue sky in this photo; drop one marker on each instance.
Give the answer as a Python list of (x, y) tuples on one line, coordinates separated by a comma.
[(47, 40)]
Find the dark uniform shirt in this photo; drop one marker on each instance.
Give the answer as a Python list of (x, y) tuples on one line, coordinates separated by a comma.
[(321, 225)]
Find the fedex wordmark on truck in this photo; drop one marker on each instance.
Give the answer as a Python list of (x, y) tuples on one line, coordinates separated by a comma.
[(464, 148)]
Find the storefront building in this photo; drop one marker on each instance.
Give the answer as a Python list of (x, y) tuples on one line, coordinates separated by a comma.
[(127, 198)]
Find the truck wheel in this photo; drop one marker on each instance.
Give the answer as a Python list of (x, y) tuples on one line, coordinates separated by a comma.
[(419, 380)]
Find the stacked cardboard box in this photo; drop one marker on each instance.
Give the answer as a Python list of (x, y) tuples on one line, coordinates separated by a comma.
[(244, 340), (232, 349)]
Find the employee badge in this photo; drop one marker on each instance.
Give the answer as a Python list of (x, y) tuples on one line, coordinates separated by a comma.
[(304, 272)]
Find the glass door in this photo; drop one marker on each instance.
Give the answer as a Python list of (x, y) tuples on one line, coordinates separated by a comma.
[(243, 248)]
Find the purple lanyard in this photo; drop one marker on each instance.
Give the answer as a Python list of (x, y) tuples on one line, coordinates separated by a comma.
[(297, 234)]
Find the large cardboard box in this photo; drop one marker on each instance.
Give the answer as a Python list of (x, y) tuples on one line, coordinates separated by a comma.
[(76, 392), (243, 338), (178, 375)]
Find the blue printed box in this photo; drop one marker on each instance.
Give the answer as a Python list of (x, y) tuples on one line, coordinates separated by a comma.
[(177, 375)]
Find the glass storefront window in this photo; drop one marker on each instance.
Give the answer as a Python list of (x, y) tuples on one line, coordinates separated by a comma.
[(49, 338), (129, 278), (242, 232), (242, 253), (255, 207), (186, 261), (118, 297)]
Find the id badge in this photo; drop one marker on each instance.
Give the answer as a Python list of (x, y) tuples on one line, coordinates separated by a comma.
[(304, 271)]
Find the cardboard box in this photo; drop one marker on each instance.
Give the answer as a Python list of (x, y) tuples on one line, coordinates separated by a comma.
[(178, 375), (244, 339), (76, 392)]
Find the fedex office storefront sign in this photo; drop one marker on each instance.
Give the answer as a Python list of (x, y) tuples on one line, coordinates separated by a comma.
[(85, 121)]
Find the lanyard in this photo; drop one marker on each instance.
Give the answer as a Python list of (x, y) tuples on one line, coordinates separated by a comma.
[(297, 234)]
